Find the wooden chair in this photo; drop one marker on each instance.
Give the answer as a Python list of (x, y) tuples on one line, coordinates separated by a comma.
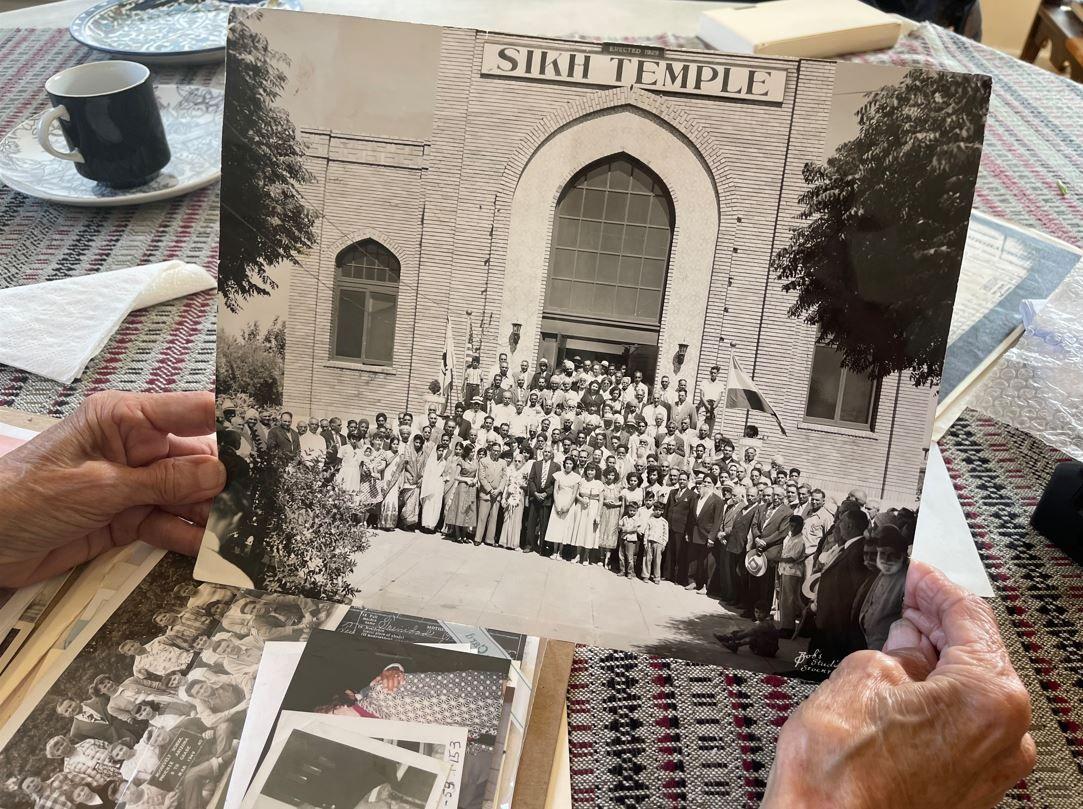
[(1056, 24)]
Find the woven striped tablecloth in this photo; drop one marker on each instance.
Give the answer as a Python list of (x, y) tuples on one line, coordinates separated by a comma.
[(166, 347)]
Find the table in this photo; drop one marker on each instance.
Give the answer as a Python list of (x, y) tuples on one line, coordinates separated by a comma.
[(1033, 143)]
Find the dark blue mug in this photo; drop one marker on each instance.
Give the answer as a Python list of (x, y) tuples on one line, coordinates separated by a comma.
[(110, 119)]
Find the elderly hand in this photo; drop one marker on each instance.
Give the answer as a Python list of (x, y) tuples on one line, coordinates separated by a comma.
[(123, 467), (938, 720)]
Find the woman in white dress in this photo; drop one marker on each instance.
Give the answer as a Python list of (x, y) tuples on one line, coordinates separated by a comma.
[(349, 471), (432, 489), (588, 513), (562, 518)]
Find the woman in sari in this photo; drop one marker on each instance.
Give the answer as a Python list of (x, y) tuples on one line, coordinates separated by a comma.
[(410, 494), (375, 485), (432, 488), (512, 499), (389, 510), (562, 518), (462, 512)]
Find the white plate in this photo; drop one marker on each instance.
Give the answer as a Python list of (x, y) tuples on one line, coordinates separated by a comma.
[(192, 117), (161, 31)]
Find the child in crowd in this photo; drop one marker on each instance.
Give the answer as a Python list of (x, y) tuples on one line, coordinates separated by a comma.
[(628, 527), (791, 572), (654, 542), (761, 638), (643, 516)]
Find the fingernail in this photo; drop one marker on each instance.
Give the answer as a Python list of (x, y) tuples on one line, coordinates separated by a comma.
[(210, 474)]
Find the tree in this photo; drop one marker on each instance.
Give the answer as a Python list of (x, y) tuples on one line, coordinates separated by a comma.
[(264, 218), (252, 364), (877, 264), (310, 530)]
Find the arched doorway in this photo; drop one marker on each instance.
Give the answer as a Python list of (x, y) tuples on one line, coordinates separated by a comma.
[(608, 263)]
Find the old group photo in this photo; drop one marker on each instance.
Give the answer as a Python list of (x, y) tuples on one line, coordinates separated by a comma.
[(148, 712), (607, 370)]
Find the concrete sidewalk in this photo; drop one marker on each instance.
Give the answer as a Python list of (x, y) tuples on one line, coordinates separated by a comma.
[(424, 574)]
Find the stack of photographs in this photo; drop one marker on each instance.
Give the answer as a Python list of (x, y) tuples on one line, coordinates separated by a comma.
[(148, 706), (444, 701)]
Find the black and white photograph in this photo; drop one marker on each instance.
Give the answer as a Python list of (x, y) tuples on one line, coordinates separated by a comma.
[(149, 712), (366, 678), (628, 346), (441, 742), (309, 771)]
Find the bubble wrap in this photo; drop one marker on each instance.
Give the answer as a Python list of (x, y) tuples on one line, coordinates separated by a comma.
[(1038, 385)]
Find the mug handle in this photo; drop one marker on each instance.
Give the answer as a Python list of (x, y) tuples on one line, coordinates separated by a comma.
[(45, 124)]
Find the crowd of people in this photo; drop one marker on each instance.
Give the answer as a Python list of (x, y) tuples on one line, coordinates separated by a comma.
[(192, 681), (585, 463)]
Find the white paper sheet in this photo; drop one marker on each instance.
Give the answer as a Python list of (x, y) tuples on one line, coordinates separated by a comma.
[(276, 669), (90, 308), (942, 537)]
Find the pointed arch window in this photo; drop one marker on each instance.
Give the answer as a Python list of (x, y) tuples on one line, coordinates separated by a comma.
[(365, 304), (612, 234)]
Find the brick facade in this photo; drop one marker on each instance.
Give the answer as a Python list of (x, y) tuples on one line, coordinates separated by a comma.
[(448, 209)]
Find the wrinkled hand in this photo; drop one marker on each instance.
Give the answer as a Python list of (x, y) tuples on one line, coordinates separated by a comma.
[(123, 467), (391, 679), (938, 720)]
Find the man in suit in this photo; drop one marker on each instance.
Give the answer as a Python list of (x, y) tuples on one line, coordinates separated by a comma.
[(684, 409), (539, 497), (283, 442), (738, 543), (335, 439), (725, 578), (705, 517), (678, 508), (492, 471), (768, 534), (837, 632)]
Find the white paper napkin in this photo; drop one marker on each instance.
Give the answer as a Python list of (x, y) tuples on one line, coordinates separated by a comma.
[(55, 328)]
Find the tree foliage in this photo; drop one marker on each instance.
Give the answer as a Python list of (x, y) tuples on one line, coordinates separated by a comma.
[(877, 264), (264, 218), (252, 365), (311, 530)]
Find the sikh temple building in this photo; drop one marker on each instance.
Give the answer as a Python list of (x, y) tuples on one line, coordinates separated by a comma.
[(600, 201)]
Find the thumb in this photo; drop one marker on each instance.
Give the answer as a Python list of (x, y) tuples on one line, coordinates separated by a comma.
[(913, 651), (176, 481)]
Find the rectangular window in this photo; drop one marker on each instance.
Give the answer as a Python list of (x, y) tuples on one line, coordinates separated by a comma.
[(837, 395), (364, 327)]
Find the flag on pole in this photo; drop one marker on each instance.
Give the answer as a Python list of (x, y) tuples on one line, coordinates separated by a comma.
[(742, 394), (447, 371)]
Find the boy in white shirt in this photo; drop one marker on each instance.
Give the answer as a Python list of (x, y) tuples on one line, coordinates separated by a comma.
[(628, 529), (643, 517), (654, 542), (791, 573)]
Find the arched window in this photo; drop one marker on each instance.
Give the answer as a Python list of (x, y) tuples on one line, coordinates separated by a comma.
[(366, 299), (613, 228)]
